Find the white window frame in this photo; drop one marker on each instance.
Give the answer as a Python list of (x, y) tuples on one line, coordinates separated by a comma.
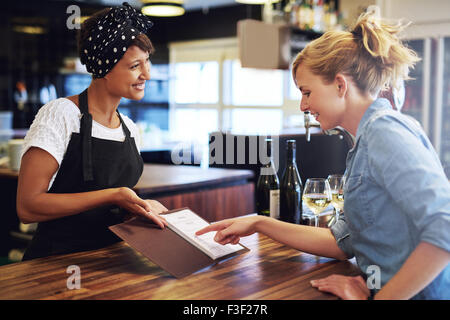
[(220, 50)]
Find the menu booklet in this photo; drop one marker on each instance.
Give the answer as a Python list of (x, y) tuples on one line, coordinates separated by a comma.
[(176, 248)]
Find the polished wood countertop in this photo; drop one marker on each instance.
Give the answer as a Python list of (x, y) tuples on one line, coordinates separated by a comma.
[(269, 271), (164, 178)]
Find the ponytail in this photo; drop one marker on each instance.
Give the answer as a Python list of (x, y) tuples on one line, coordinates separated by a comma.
[(372, 54)]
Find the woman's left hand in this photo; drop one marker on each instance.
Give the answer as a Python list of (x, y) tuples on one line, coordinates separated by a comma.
[(346, 288)]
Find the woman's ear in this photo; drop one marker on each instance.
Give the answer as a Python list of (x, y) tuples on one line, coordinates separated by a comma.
[(341, 84)]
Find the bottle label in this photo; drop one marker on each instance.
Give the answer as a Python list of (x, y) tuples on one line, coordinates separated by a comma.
[(275, 204)]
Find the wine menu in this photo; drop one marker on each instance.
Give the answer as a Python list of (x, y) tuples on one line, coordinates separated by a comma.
[(186, 223), (176, 248)]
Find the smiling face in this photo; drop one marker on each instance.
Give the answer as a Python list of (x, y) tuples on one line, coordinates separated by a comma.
[(324, 101), (127, 78)]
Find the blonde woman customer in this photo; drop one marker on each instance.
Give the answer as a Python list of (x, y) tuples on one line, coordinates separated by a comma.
[(397, 197)]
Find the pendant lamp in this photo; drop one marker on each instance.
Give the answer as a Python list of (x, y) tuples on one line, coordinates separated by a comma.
[(158, 8), (256, 1)]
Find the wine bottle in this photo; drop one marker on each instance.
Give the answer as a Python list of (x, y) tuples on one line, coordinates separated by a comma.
[(268, 188), (291, 188)]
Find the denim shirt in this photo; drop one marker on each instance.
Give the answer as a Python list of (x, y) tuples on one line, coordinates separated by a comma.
[(396, 196)]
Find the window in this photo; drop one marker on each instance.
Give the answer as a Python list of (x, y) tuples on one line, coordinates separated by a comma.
[(190, 124), (196, 82), (256, 121), (209, 91), (254, 87)]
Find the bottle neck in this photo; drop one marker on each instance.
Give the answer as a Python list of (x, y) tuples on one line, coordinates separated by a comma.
[(290, 156), (269, 154), (268, 165), (268, 169)]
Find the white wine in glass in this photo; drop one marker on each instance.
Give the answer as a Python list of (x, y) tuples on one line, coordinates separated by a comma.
[(317, 196), (337, 200), (336, 182), (316, 202)]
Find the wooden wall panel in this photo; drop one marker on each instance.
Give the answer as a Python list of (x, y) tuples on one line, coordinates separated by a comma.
[(215, 204)]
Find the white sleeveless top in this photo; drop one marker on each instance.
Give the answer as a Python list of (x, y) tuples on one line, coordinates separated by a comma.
[(54, 123)]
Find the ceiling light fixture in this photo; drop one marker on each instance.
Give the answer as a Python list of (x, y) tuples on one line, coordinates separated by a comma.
[(30, 29), (158, 8), (256, 1)]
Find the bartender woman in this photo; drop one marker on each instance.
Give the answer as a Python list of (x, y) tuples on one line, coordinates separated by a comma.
[(80, 157)]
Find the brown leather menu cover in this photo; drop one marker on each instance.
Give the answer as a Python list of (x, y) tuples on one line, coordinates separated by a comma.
[(164, 247)]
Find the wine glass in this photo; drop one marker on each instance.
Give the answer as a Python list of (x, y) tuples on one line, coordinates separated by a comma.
[(317, 196), (336, 182)]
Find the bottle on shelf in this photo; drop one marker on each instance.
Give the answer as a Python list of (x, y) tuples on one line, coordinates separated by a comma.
[(268, 188), (290, 13), (291, 188), (309, 15), (326, 17), (333, 16), (303, 15), (318, 16), (267, 12)]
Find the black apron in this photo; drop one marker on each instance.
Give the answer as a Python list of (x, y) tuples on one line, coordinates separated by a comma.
[(89, 164)]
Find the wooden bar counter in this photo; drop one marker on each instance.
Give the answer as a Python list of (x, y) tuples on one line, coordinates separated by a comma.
[(269, 271), (213, 193)]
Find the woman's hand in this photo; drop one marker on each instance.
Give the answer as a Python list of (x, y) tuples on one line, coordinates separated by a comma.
[(150, 209), (346, 288), (156, 208), (230, 230)]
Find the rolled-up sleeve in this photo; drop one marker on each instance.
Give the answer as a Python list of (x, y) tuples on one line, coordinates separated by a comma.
[(342, 235)]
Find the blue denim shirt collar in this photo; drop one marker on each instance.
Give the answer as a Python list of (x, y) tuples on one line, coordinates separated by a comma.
[(378, 104)]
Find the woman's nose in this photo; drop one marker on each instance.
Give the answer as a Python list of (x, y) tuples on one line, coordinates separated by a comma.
[(303, 106), (146, 73)]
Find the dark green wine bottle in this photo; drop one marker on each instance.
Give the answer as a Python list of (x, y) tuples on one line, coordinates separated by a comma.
[(291, 188), (268, 188)]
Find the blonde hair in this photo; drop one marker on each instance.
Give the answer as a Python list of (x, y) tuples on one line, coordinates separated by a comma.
[(372, 54)]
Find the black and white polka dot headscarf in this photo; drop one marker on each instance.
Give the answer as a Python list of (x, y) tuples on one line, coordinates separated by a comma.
[(108, 41)]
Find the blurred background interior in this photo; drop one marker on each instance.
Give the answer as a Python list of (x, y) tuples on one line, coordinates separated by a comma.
[(208, 75)]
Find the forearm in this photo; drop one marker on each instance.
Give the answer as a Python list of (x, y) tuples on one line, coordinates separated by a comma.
[(423, 265), (317, 241), (49, 206)]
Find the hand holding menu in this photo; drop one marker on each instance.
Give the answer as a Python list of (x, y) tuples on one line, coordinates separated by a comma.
[(176, 248)]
